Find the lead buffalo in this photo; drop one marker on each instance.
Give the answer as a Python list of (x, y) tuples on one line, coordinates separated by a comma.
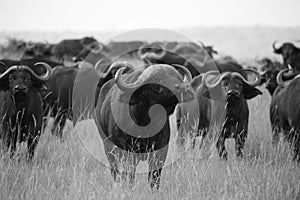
[(285, 105), (21, 105), (127, 116), (221, 103)]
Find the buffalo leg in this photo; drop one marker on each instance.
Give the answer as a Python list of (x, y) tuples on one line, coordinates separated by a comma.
[(12, 142), (296, 146), (111, 157), (240, 143), (275, 135), (31, 145), (221, 147), (59, 124), (156, 162)]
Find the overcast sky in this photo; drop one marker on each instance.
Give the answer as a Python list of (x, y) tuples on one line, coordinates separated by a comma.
[(110, 15)]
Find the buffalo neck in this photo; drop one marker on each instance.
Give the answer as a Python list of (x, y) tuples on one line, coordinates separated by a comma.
[(21, 101), (234, 109)]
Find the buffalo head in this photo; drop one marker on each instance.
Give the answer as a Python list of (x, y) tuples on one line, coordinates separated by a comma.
[(88, 40), (231, 85), (20, 79), (289, 52), (153, 86)]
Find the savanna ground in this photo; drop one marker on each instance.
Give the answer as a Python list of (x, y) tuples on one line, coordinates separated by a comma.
[(72, 168)]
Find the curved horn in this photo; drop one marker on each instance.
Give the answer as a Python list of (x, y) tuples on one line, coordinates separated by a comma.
[(279, 80), (274, 45), (186, 73), (254, 83), (44, 77), (217, 79), (115, 65), (14, 67), (125, 87)]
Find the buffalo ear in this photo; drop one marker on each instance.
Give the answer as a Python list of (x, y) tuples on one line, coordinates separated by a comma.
[(278, 51), (4, 85), (250, 92)]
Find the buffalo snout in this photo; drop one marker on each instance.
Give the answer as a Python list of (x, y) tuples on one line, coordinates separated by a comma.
[(233, 94), (20, 89)]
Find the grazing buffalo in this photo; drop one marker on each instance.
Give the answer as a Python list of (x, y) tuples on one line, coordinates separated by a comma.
[(286, 111), (221, 102), (21, 105), (71, 47), (290, 54), (132, 116)]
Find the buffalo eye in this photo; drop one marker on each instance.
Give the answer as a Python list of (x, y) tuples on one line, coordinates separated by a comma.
[(238, 84), (226, 82)]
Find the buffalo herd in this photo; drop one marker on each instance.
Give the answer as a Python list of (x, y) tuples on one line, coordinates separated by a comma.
[(131, 101)]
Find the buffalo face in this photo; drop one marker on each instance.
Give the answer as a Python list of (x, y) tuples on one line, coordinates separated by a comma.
[(19, 82), (231, 85), (289, 53)]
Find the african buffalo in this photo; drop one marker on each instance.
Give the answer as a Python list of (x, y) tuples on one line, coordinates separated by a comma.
[(195, 62), (92, 53), (71, 92), (71, 47), (219, 95), (21, 105), (290, 54), (268, 71), (124, 123), (118, 48), (285, 106)]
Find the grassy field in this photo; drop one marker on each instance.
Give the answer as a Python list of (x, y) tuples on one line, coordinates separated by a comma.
[(72, 168)]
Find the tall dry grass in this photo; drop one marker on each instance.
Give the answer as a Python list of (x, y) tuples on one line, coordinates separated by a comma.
[(65, 169)]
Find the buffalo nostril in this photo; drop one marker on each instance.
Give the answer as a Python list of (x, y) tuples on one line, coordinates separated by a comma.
[(20, 89), (232, 93)]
